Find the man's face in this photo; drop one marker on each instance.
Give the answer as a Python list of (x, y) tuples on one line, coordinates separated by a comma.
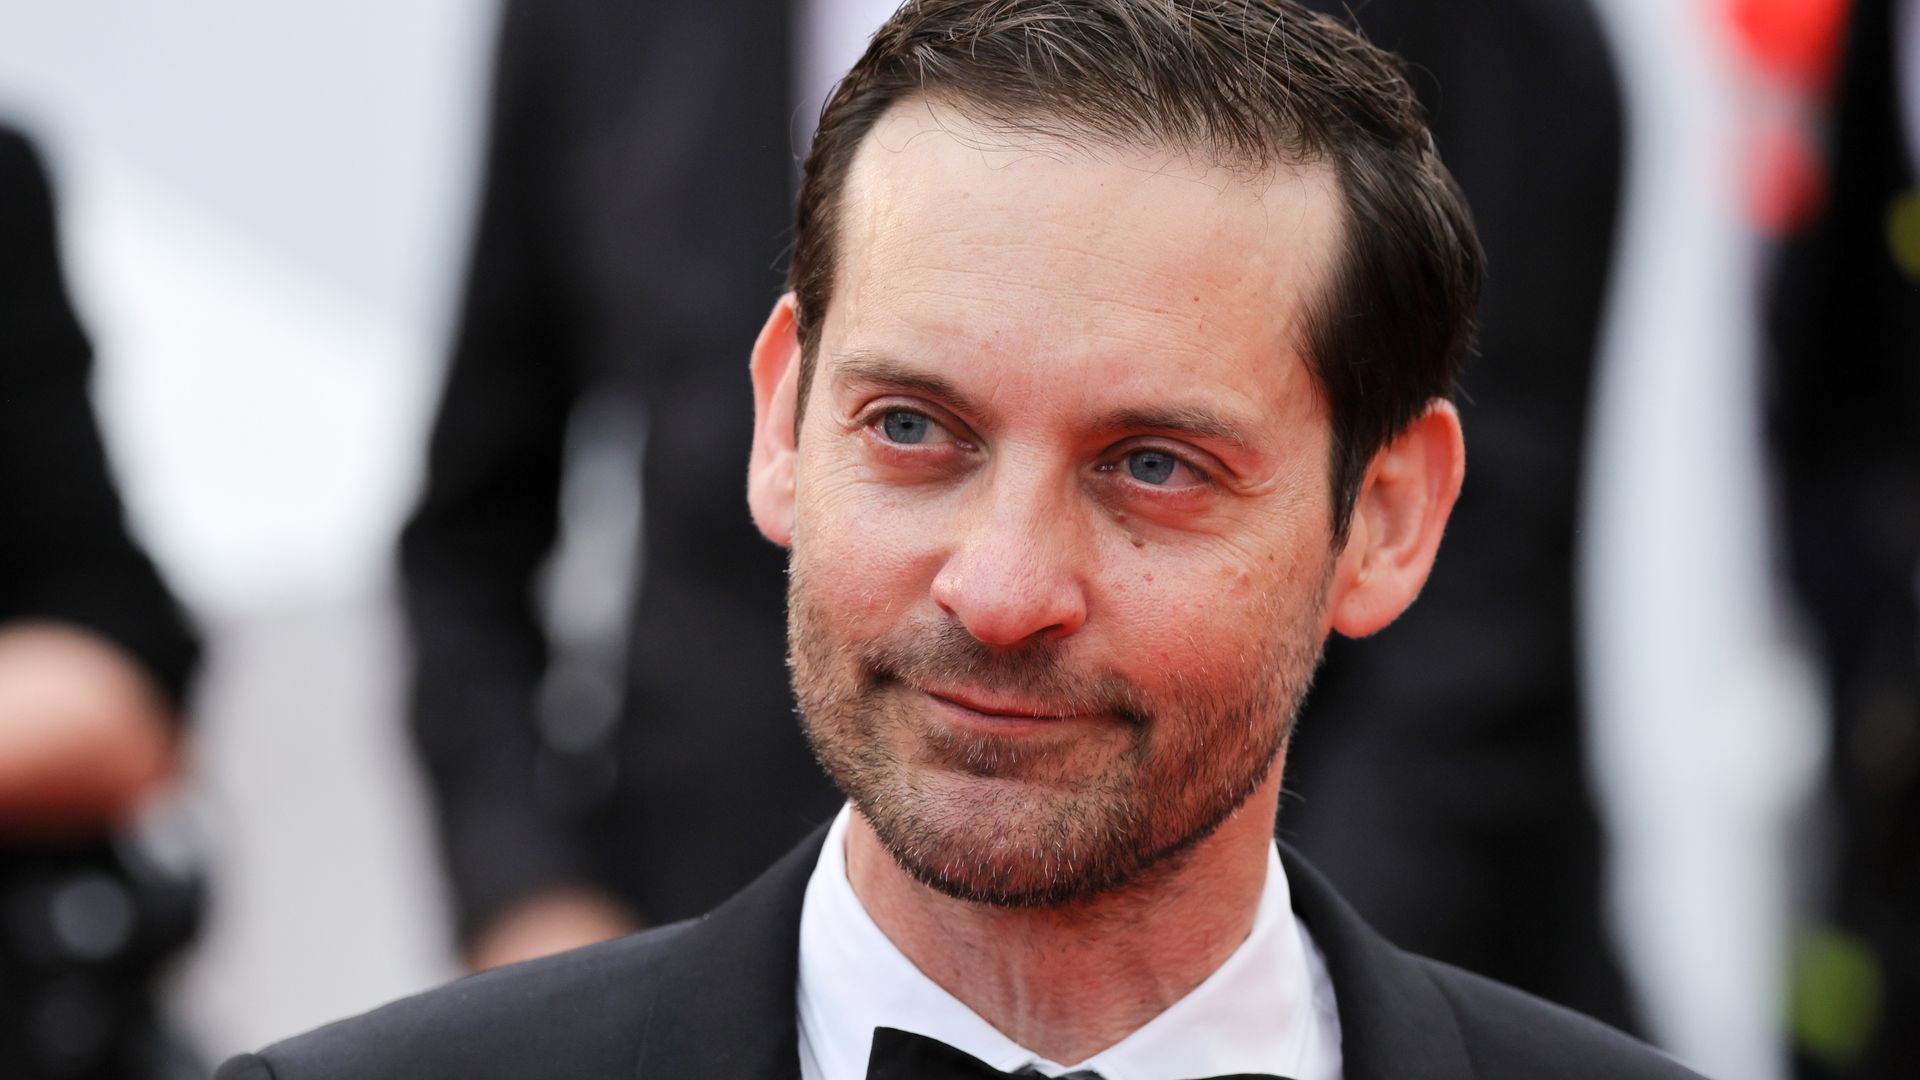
[(1061, 539)]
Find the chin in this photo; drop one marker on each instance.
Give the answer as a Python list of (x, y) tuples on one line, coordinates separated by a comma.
[(1020, 844)]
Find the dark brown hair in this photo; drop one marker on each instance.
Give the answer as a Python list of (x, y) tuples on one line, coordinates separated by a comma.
[(1253, 83)]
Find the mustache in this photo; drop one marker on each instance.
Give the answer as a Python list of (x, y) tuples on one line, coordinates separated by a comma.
[(1039, 672)]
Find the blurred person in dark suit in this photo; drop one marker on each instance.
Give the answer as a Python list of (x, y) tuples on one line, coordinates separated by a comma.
[(1444, 787), (94, 658), (636, 199), (1845, 397)]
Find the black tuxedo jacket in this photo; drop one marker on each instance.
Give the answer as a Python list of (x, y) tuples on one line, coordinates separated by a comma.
[(713, 997)]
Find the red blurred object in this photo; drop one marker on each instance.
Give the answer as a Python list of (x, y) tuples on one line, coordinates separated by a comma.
[(1791, 49), (1786, 179), (1797, 41)]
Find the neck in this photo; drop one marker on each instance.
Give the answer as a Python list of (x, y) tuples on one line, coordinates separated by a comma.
[(1068, 982)]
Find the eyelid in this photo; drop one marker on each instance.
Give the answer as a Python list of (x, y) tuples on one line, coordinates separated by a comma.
[(1203, 465), (869, 415)]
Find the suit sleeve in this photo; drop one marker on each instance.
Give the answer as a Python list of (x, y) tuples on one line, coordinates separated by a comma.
[(487, 518), (65, 551), (247, 1067)]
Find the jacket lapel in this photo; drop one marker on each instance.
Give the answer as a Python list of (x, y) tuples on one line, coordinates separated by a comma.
[(722, 992), (1395, 1024)]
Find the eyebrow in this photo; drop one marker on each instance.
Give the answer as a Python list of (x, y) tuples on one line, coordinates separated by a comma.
[(880, 369), (1190, 421)]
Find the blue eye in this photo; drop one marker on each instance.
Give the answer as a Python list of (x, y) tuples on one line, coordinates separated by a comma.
[(1151, 466), (906, 428)]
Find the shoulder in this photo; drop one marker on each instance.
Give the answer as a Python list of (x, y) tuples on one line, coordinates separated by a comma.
[(667, 1002), (1401, 1012), (1509, 1033), (581, 1013)]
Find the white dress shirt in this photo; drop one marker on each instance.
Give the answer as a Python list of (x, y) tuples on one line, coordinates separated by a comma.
[(1269, 1008)]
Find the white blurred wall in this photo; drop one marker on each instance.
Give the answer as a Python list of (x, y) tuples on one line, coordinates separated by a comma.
[(266, 208)]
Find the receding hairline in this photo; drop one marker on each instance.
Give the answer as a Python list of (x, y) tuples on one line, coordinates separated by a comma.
[(1060, 138), (1064, 135)]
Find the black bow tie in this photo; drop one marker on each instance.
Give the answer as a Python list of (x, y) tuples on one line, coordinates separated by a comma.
[(902, 1055)]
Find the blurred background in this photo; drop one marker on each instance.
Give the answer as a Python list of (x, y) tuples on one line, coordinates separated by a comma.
[(276, 222)]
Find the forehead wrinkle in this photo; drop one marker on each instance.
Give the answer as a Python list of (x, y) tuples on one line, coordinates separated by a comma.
[(1281, 194), (1145, 303)]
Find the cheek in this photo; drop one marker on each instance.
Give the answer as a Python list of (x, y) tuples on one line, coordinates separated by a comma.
[(1175, 615), (866, 552), (1159, 609)]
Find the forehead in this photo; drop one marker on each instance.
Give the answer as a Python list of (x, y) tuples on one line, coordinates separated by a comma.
[(1119, 265)]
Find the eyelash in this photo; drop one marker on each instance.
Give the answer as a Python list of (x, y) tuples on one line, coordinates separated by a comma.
[(1114, 464), (876, 417)]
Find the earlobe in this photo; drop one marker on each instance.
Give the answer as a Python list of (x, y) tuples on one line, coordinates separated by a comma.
[(1398, 519), (770, 469)]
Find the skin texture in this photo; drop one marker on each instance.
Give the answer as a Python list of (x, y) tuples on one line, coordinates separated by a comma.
[(85, 736), (1062, 558)]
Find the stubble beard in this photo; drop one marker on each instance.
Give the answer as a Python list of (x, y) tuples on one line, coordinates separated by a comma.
[(1025, 822)]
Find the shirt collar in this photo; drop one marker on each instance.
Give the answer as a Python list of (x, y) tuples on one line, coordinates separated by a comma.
[(1269, 1008)]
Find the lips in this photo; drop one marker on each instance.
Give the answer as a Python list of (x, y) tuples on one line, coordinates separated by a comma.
[(994, 706)]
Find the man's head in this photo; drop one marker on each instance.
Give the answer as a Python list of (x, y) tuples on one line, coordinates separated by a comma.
[(1122, 331), (1248, 84)]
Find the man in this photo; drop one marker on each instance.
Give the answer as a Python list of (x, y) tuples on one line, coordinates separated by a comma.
[(1112, 380), (637, 184)]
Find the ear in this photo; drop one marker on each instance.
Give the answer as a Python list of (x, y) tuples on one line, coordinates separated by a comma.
[(776, 380), (1398, 517)]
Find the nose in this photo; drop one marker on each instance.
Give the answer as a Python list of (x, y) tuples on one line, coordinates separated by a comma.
[(1014, 573)]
